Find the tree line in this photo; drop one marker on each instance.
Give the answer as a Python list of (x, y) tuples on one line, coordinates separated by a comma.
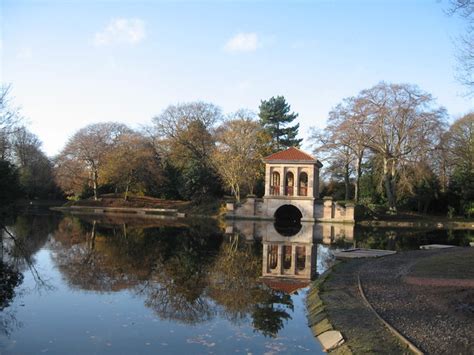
[(390, 145), (25, 171)]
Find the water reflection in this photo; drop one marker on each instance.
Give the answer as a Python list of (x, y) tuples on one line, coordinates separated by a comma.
[(189, 274), (245, 273)]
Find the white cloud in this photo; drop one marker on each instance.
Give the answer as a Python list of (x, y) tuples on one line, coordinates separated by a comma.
[(121, 31), (243, 42)]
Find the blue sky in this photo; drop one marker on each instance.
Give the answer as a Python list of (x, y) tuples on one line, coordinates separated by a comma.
[(74, 62)]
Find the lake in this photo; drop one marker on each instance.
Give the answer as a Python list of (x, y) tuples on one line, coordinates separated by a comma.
[(84, 284)]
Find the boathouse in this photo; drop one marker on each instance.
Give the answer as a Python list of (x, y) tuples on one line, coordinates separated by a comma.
[(291, 192)]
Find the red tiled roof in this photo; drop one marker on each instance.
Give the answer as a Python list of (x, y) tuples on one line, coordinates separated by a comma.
[(291, 153), (285, 285)]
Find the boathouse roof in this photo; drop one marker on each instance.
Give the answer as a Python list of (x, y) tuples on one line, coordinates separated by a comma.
[(292, 154)]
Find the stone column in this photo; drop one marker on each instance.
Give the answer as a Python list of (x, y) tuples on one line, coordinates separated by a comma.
[(280, 260), (268, 178), (328, 212), (265, 260), (315, 192), (293, 260), (327, 233), (350, 211), (311, 183), (296, 188), (282, 180)]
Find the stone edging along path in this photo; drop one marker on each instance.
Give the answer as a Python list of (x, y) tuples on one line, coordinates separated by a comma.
[(335, 303), (395, 332)]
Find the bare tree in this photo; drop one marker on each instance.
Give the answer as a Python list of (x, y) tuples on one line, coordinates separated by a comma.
[(131, 162), (188, 127), (10, 119), (465, 44), (343, 141), (238, 154), (402, 126), (340, 159), (35, 168), (88, 148), (184, 134)]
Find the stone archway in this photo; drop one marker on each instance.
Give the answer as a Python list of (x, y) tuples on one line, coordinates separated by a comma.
[(288, 220)]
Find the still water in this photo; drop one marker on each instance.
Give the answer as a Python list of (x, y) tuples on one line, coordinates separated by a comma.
[(88, 285)]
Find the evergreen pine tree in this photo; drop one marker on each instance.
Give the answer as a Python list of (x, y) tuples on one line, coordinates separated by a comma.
[(275, 118)]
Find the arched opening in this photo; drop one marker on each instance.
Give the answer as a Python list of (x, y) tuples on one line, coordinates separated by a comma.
[(272, 260), (300, 258), (288, 220), (289, 183), (275, 184), (303, 184)]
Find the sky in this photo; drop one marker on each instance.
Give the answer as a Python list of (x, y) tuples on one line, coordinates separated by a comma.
[(75, 62)]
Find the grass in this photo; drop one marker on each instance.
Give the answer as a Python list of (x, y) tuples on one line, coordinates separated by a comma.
[(459, 266)]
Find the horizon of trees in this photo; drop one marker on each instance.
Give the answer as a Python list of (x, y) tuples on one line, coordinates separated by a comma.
[(390, 145)]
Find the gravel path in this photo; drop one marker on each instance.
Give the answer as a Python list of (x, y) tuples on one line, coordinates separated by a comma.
[(347, 312), (437, 313)]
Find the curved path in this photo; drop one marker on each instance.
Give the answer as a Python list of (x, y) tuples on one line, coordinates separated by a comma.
[(428, 296)]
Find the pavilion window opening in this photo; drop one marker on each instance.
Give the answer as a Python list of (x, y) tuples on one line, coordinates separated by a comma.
[(275, 184), (303, 184)]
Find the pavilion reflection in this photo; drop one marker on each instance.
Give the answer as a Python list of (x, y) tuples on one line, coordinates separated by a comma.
[(289, 263)]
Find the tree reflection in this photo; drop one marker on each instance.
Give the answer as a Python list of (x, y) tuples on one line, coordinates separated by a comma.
[(235, 285), (270, 314), (28, 234), (10, 278), (20, 241), (233, 281), (407, 239), (188, 274)]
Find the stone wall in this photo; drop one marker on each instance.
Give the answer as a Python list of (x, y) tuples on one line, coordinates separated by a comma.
[(312, 210)]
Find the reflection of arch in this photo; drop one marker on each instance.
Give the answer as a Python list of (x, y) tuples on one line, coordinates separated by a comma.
[(303, 184), (289, 182), (275, 184), (288, 220), (273, 256), (300, 258)]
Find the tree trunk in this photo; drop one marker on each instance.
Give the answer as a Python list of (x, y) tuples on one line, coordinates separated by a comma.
[(347, 184), (389, 183), (94, 183), (237, 193), (357, 180), (127, 188)]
